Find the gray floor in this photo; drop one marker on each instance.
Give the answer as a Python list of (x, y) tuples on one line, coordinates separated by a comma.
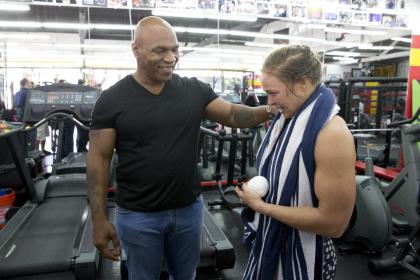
[(350, 266)]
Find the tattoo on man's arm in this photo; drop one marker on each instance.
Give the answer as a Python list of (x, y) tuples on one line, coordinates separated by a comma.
[(244, 117)]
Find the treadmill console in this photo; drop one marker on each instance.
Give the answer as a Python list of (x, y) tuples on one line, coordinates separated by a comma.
[(72, 99)]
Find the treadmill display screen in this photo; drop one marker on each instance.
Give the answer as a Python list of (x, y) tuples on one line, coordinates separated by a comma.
[(37, 97), (90, 97), (63, 97)]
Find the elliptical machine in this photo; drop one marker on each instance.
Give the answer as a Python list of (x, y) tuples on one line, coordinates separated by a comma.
[(407, 256), (374, 215), (371, 221)]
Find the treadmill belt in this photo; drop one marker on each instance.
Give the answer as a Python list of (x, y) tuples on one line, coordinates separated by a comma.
[(46, 241)]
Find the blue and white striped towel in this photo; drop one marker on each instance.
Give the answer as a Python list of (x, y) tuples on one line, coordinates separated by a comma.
[(286, 159)]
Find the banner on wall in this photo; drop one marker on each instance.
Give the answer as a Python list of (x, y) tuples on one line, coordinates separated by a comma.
[(413, 95)]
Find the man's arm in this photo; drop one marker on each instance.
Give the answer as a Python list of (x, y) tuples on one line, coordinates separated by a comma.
[(236, 115), (101, 148), (335, 187)]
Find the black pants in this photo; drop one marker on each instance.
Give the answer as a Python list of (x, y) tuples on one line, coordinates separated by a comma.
[(82, 139)]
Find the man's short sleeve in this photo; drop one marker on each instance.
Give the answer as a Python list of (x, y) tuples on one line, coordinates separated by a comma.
[(209, 93), (103, 114)]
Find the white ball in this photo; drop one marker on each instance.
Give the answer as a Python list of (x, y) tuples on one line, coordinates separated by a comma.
[(259, 184)]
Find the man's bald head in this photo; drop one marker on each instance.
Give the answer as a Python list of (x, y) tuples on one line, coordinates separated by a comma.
[(147, 24), (156, 50)]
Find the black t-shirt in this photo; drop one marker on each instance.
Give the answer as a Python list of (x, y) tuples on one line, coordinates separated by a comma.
[(157, 140)]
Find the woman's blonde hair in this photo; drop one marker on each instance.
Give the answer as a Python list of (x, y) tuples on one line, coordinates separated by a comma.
[(293, 63)]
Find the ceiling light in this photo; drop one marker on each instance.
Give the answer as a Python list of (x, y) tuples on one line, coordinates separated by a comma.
[(203, 59), (350, 31), (343, 58), (233, 55), (86, 46), (221, 50), (14, 7), (61, 25), (341, 53), (24, 36), (402, 39), (65, 25), (264, 45), (168, 13)]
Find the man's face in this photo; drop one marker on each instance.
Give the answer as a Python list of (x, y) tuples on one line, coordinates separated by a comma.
[(157, 53), (28, 84)]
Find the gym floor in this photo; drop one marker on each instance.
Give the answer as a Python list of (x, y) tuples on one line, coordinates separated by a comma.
[(350, 266)]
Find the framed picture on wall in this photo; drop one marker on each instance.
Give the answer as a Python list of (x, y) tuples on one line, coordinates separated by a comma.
[(333, 77), (356, 72)]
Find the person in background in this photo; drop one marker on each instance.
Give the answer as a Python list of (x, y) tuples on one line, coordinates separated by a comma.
[(308, 158), (42, 132), (19, 100), (68, 133), (152, 119), (2, 109)]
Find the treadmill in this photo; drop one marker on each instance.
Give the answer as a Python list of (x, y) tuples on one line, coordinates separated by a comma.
[(51, 234)]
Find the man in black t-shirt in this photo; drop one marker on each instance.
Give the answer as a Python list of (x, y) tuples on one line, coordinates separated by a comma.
[(152, 119)]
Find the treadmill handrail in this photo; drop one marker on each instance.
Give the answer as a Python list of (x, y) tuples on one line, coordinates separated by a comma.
[(410, 120), (23, 127)]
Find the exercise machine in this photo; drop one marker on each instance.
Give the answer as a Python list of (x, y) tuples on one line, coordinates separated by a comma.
[(51, 232), (379, 207), (227, 193), (73, 100), (76, 103), (401, 192), (371, 222), (407, 257)]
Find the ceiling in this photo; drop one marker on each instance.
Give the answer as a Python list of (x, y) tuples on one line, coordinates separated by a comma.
[(223, 51)]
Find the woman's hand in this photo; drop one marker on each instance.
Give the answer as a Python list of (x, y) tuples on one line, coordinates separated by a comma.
[(250, 198)]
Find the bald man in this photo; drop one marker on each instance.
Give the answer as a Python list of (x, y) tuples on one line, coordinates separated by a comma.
[(152, 119)]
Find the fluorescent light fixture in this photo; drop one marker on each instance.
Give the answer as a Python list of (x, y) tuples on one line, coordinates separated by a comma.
[(86, 46), (197, 59), (112, 26), (343, 58), (235, 55), (264, 45), (14, 7), (62, 25), (341, 53), (345, 62), (186, 14), (24, 36), (350, 31), (65, 25), (401, 39), (26, 24), (222, 50)]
